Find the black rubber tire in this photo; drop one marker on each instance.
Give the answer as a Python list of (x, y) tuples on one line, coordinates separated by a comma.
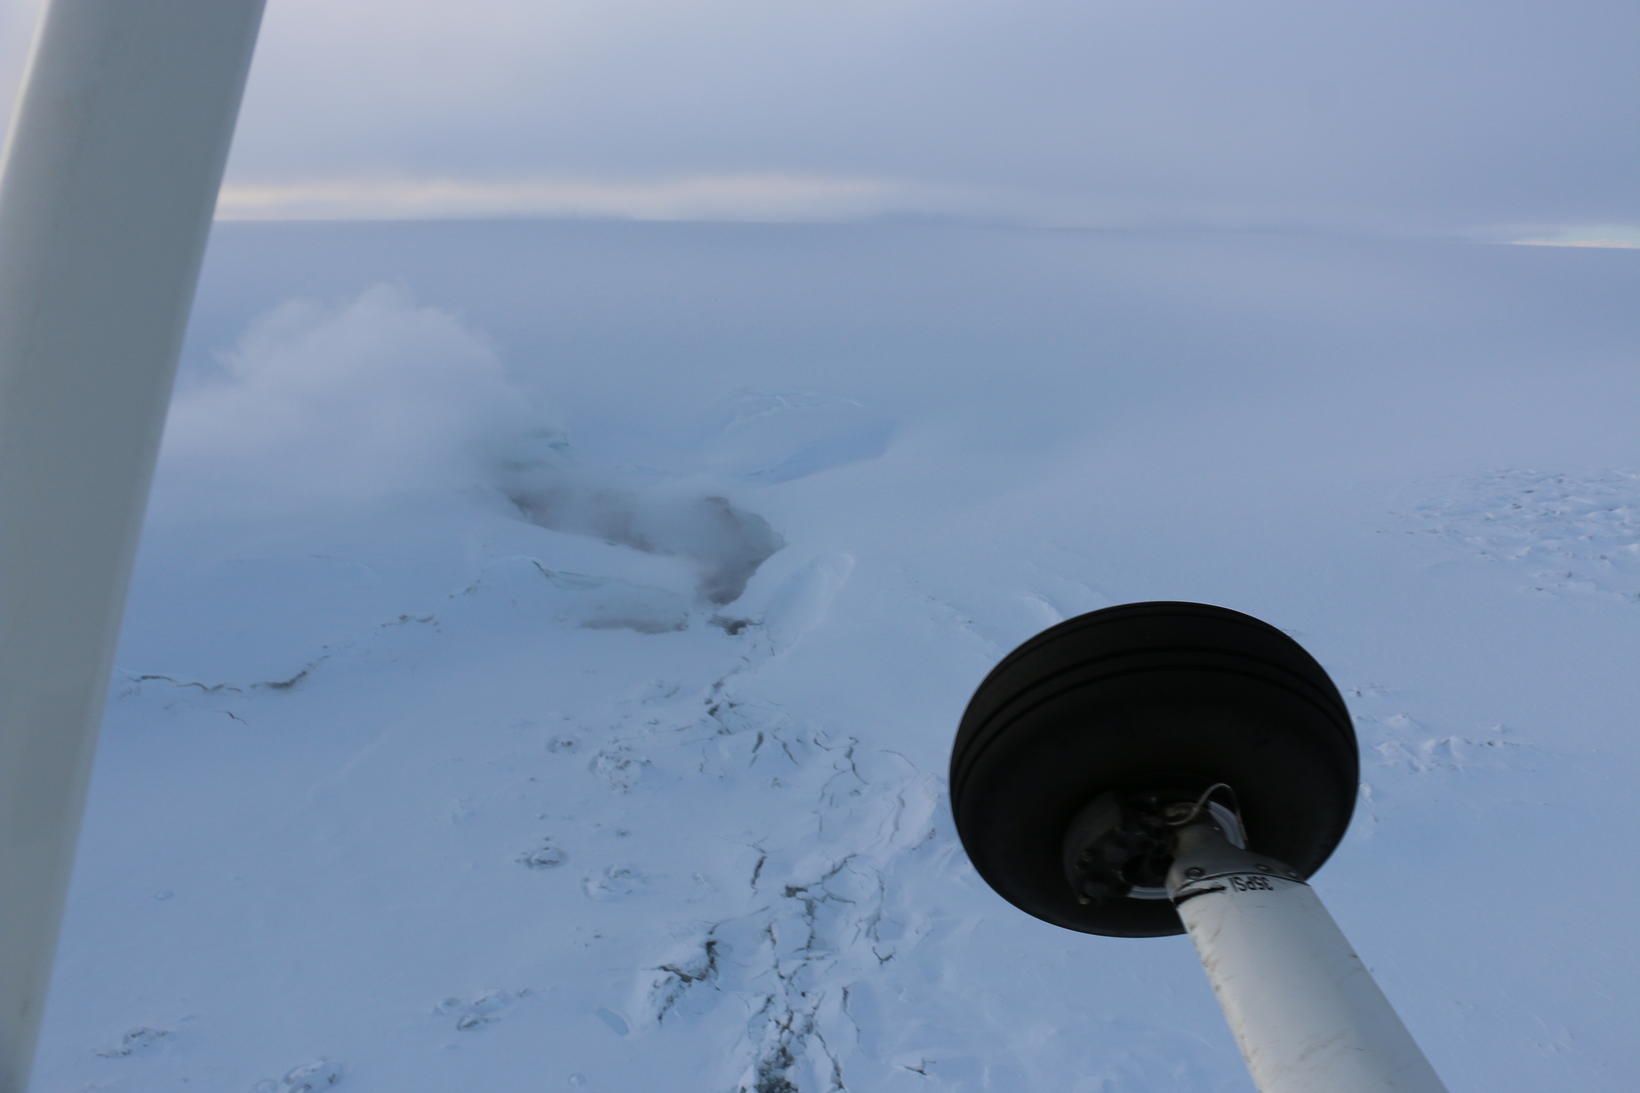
[(1139, 697)]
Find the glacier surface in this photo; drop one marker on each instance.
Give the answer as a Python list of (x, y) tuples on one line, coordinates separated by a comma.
[(548, 638)]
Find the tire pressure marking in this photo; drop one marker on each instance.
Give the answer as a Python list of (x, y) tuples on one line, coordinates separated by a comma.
[(1252, 884)]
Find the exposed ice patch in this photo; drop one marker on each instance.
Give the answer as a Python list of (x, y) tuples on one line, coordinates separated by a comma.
[(614, 1022)]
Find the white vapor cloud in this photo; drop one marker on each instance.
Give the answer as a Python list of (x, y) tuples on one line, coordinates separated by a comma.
[(1590, 237), (320, 404), (743, 197), (1401, 115)]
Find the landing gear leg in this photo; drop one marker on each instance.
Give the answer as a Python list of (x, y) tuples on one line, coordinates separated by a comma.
[(1303, 1007)]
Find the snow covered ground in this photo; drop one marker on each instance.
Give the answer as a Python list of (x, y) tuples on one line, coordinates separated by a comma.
[(548, 639)]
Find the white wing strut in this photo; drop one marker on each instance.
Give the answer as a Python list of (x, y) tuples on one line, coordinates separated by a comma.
[(110, 177)]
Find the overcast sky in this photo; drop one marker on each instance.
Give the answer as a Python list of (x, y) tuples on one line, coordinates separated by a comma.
[(1399, 115)]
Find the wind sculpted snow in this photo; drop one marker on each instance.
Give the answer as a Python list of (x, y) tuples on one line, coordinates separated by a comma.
[(478, 736)]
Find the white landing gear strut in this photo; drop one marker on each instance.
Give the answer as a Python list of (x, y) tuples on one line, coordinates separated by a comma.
[(1304, 1009)]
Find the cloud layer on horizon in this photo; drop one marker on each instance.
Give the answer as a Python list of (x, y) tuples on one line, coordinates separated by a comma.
[(1403, 115)]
